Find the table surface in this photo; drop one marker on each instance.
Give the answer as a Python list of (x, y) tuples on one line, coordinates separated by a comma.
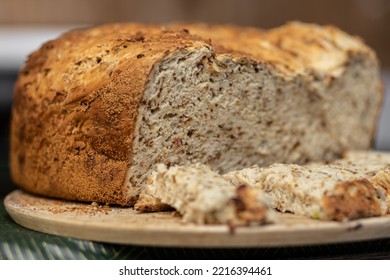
[(17, 242)]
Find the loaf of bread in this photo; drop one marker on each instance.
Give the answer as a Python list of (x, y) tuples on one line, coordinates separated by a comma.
[(96, 109), (203, 196)]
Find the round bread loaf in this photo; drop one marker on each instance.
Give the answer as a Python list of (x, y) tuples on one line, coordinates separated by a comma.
[(97, 108)]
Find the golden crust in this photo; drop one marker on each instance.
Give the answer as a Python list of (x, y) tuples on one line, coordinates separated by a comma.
[(248, 207), (76, 100), (351, 200), (294, 48), (75, 108)]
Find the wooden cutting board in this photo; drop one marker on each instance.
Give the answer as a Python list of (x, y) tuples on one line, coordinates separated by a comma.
[(127, 226)]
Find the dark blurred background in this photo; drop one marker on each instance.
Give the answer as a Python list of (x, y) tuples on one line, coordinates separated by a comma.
[(25, 24)]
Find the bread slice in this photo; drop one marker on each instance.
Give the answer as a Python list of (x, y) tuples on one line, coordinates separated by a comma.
[(96, 109), (339, 191), (345, 189), (203, 197), (367, 157)]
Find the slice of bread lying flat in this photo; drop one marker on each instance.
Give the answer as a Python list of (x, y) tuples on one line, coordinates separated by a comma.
[(342, 190), (96, 109), (203, 197), (345, 189)]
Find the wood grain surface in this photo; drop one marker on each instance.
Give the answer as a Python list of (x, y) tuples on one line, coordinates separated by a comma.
[(127, 226)]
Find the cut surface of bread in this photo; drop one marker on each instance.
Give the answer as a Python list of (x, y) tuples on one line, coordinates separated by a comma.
[(341, 190), (96, 109), (367, 157), (202, 196)]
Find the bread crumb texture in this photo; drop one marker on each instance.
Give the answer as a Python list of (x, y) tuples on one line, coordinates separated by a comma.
[(202, 196), (339, 191), (350, 188)]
